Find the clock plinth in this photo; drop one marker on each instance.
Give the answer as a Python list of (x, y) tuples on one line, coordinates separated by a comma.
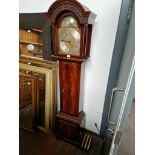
[(70, 127)]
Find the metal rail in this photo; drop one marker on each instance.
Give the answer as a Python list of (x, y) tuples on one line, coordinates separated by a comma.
[(111, 100)]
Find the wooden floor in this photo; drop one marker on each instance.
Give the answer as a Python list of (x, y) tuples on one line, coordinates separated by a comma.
[(38, 143)]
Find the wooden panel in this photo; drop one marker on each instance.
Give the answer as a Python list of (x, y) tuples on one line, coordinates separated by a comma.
[(30, 36), (41, 86), (33, 36), (88, 40), (47, 42), (68, 127), (34, 22), (69, 87), (25, 88), (28, 101), (71, 130), (37, 62)]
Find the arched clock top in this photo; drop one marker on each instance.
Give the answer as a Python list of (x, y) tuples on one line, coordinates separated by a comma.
[(71, 27), (82, 13)]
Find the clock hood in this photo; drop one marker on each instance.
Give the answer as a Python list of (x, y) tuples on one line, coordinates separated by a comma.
[(84, 15)]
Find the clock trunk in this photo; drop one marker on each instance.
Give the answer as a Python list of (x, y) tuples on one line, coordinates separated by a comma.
[(70, 75), (70, 119)]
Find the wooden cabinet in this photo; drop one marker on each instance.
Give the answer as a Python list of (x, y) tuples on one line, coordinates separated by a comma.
[(31, 42), (35, 63), (27, 101), (35, 37), (25, 89)]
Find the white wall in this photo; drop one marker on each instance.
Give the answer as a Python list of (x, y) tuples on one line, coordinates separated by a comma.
[(98, 65)]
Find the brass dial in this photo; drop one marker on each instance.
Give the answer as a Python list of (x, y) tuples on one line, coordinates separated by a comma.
[(69, 37)]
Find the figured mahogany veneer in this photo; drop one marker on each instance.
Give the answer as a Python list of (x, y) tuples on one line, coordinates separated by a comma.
[(72, 125), (70, 85)]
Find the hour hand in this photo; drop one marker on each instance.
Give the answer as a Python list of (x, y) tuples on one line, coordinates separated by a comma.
[(66, 41), (69, 42)]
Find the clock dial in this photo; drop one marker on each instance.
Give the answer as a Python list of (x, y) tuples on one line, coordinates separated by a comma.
[(68, 21), (69, 37)]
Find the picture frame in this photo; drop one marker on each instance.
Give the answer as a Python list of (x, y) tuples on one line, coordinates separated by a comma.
[(50, 94)]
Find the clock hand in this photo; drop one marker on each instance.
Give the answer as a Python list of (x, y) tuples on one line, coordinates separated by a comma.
[(70, 42), (66, 41)]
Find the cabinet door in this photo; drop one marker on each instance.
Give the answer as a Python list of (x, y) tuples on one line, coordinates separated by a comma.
[(27, 101), (69, 87), (25, 88)]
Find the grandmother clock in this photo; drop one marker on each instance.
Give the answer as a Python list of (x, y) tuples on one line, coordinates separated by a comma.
[(71, 25)]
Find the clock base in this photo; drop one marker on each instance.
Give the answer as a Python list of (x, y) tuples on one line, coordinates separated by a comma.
[(70, 128)]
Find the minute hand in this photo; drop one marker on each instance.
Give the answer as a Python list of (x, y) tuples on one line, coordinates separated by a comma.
[(68, 42)]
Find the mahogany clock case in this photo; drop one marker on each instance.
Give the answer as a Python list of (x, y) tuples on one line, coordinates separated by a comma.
[(70, 118)]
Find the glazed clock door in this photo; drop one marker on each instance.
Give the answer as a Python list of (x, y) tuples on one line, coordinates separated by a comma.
[(69, 87), (69, 37)]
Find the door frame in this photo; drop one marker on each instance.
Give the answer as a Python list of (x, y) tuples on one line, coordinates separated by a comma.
[(120, 41), (129, 95)]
